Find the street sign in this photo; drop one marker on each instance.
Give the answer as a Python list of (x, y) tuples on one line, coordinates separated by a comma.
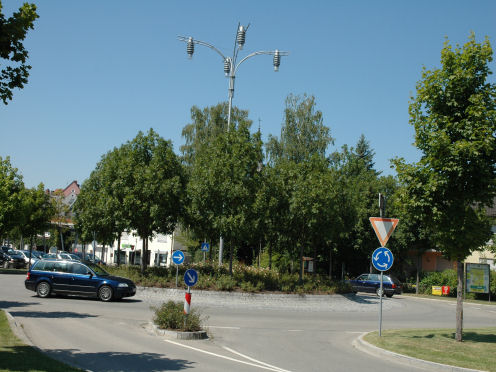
[(383, 228), (178, 257), (382, 259), (205, 247), (190, 277)]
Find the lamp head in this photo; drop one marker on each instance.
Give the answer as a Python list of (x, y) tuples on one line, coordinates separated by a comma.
[(240, 37), (190, 48), (277, 60)]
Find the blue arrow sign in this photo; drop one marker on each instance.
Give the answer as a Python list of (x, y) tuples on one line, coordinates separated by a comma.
[(178, 257), (190, 277), (205, 247), (382, 259)]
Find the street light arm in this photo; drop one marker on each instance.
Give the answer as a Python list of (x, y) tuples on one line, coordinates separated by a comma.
[(199, 42), (272, 52)]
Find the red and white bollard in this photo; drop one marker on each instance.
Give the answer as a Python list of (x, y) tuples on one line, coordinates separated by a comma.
[(187, 302)]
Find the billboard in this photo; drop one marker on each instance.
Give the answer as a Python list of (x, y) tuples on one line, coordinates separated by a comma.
[(477, 278)]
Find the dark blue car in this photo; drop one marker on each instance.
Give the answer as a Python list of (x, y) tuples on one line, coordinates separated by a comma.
[(372, 282), (55, 276)]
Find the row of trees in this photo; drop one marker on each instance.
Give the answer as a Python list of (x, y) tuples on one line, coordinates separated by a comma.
[(24, 212)]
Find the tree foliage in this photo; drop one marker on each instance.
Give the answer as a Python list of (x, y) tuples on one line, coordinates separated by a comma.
[(11, 189), (454, 115), (13, 31)]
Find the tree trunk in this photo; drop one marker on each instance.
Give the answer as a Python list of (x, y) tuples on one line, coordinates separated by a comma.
[(459, 302), (143, 252), (230, 257), (300, 278), (119, 250), (270, 256), (419, 261), (330, 263)]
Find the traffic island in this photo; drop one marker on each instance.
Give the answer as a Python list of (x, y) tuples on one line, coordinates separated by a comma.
[(197, 335)]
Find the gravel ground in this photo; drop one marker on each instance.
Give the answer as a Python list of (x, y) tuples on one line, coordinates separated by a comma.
[(288, 302)]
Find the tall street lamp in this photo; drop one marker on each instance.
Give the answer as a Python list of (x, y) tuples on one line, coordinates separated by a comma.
[(231, 66)]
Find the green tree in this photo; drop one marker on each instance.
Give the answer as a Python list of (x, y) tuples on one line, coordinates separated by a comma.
[(153, 183), (13, 31), (11, 191), (222, 185), (303, 133), (454, 115), (37, 209)]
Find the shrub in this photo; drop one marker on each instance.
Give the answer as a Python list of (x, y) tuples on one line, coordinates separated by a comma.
[(171, 316), (446, 277)]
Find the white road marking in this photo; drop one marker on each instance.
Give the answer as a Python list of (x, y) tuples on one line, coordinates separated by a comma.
[(219, 327), (254, 360), (225, 357), (295, 330)]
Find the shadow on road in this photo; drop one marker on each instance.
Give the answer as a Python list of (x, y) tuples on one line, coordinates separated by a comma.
[(9, 304), (360, 299), (50, 314), (119, 361)]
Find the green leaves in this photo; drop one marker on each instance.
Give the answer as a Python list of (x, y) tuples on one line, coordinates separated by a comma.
[(13, 31), (454, 115)]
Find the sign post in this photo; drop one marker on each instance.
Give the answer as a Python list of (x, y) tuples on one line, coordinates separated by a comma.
[(205, 247), (382, 258), (178, 259), (190, 279)]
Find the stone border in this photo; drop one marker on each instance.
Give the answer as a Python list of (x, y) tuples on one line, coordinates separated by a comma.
[(199, 335), (362, 345)]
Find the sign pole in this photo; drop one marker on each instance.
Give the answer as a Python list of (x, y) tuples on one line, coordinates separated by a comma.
[(380, 310), (177, 273)]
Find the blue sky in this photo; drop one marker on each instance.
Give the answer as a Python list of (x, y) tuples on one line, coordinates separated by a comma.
[(104, 70)]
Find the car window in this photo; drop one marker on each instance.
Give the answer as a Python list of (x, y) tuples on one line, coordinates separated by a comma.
[(79, 269), (62, 267), (97, 269), (49, 266), (363, 277), (374, 277), (40, 265)]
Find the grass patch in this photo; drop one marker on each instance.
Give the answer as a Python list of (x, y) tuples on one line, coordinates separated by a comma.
[(16, 356), (477, 351)]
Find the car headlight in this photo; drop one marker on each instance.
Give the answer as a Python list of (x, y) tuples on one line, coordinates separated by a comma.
[(123, 285)]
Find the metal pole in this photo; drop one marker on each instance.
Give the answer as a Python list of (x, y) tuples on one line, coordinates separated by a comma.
[(177, 273), (380, 310), (232, 65)]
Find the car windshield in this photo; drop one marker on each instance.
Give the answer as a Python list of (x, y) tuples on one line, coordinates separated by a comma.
[(97, 269)]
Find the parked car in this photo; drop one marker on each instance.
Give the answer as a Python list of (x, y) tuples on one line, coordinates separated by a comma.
[(70, 277), (372, 282), (25, 255), (62, 256), (12, 260), (90, 257)]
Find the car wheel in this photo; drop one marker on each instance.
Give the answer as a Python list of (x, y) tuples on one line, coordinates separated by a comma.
[(105, 293), (389, 295), (43, 289), (378, 292)]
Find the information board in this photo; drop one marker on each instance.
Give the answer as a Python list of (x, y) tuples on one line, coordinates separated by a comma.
[(477, 278)]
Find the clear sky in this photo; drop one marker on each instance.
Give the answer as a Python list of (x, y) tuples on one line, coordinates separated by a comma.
[(104, 70)]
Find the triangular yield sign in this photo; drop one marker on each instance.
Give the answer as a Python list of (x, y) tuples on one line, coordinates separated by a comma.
[(383, 228)]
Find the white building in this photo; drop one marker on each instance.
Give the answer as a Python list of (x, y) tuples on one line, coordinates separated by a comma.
[(159, 250)]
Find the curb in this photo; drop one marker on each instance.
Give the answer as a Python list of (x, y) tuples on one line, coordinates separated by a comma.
[(362, 345), (17, 330), (199, 335)]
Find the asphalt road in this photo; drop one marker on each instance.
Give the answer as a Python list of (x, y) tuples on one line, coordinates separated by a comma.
[(114, 336)]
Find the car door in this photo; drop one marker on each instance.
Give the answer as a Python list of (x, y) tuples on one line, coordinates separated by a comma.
[(58, 276), (83, 280), (360, 283), (373, 283)]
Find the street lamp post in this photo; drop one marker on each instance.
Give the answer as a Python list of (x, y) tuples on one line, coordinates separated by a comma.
[(231, 66)]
